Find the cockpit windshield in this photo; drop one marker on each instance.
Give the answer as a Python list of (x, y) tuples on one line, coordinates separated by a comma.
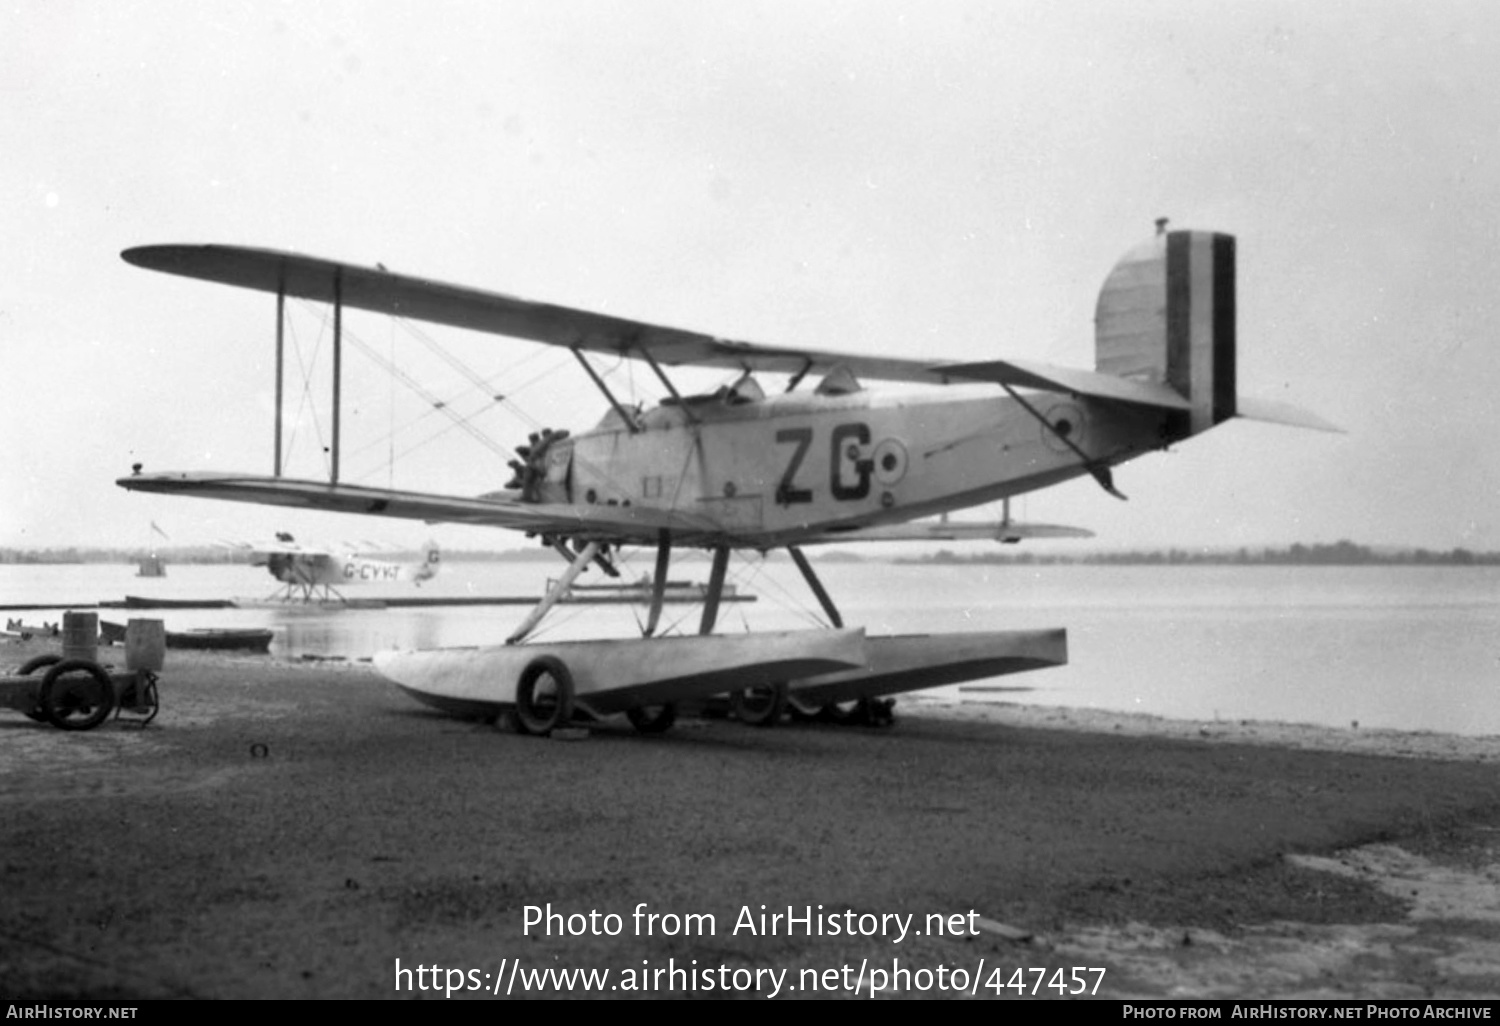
[(744, 390)]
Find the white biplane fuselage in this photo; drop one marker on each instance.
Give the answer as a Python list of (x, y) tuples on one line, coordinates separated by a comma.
[(311, 573), (341, 571), (784, 469)]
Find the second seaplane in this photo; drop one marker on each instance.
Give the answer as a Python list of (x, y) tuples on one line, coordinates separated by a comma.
[(315, 574), (739, 468)]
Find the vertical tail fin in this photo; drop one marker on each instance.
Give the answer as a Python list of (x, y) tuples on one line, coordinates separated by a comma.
[(432, 560), (1166, 315)]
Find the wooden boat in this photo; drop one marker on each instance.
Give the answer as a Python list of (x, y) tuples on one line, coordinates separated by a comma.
[(140, 602), (244, 639)]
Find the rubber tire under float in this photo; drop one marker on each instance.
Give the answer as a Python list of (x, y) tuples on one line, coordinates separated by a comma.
[(652, 719), (536, 714), (61, 699), (759, 706), (801, 711), (27, 669), (863, 712)]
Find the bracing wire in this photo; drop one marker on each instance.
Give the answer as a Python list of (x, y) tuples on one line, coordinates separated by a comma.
[(304, 365), (755, 571), (449, 408)]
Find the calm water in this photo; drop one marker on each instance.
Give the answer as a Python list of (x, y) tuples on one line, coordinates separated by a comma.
[(1413, 648)]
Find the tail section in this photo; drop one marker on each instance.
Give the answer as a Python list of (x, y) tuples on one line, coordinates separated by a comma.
[(432, 561), (1164, 338), (1166, 316)]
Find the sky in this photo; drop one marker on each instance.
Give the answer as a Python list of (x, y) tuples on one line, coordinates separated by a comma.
[(935, 179)]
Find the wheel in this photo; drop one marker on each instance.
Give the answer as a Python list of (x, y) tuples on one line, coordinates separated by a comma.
[(801, 711), (544, 696), (861, 712), (77, 695), (652, 719), (761, 706), (883, 712), (30, 666), (37, 662)]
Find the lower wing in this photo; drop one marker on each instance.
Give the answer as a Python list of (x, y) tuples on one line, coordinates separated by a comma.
[(617, 524)]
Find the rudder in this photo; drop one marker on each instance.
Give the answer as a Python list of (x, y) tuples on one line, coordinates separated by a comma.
[(1166, 314)]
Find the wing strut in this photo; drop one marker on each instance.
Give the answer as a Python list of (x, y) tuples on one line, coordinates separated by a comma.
[(1097, 470), (338, 366), (797, 378), (280, 365), (816, 586), (337, 299), (602, 559), (651, 361), (558, 589), (624, 415)]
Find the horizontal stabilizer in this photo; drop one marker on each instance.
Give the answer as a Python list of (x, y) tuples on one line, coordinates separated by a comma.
[(1065, 379), (1272, 412)]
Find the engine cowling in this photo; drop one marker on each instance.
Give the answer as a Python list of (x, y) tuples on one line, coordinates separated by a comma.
[(529, 473)]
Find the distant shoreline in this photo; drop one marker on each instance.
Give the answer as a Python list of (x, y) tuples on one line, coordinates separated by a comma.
[(1343, 553)]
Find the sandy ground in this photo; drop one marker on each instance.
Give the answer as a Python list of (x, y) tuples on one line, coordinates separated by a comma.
[(301, 830)]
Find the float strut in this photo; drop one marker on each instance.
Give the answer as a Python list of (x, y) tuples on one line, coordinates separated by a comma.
[(659, 582), (558, 590), (715, 590), (816, 586)]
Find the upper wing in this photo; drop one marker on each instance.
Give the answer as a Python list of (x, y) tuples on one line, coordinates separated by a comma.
[(400, 295), (636, 525), (277, 548)]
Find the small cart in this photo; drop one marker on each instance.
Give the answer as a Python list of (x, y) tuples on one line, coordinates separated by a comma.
[(78, 694)]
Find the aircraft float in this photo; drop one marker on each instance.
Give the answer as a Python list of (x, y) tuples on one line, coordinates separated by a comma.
[(825, 459)]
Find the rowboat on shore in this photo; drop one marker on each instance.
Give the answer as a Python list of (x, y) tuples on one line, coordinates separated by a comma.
[(223, 639)]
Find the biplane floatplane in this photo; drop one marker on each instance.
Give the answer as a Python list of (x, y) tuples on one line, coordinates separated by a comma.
[(742, 469), (315, 573)]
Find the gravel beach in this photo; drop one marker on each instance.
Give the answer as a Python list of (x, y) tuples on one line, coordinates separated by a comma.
[(288, 830)]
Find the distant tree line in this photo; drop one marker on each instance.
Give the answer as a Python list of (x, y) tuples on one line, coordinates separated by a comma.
[(75, 554), (214, 554), (1342, 553)]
